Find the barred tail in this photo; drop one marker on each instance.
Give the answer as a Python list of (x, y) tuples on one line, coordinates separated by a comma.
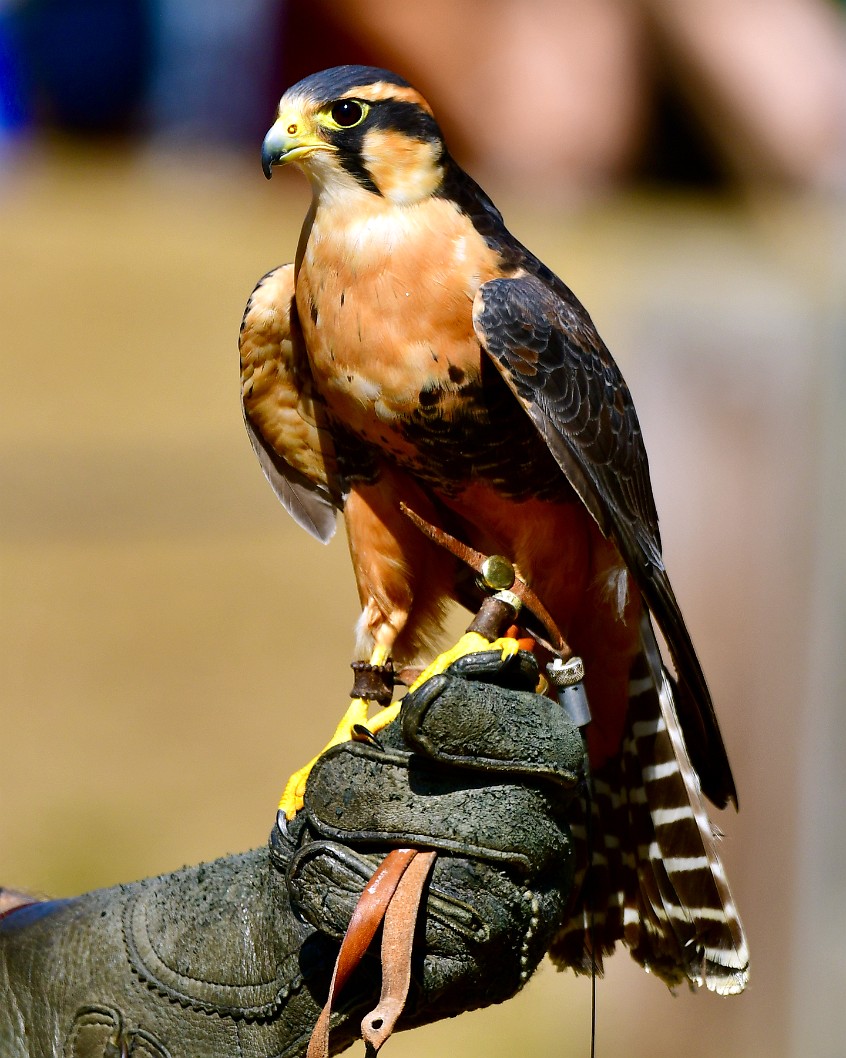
[(655, 880)]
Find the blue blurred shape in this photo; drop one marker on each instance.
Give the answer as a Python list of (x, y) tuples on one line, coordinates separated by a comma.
[(14, 108), (88, 60)]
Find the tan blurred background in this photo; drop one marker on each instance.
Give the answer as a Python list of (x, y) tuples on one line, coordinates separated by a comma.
[(171, 646)]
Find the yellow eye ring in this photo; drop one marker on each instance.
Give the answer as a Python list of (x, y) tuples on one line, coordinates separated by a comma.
[(345, 113)]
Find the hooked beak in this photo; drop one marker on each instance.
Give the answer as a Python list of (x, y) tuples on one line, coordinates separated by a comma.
[(285, 142)]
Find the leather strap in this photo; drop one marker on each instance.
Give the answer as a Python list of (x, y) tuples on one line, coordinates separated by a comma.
[(366, 919), (397, 943)]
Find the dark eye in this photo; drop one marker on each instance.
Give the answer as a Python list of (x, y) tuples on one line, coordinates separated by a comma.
[(346, 113)]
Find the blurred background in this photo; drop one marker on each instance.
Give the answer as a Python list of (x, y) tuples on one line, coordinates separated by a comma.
[(171, 646)]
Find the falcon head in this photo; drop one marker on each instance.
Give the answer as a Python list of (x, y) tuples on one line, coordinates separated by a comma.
[(358, 127)]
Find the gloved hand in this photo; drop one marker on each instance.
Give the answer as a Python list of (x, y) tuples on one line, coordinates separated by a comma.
[(234, 958)]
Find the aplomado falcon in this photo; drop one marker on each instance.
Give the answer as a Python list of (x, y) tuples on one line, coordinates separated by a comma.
[(416, 352)]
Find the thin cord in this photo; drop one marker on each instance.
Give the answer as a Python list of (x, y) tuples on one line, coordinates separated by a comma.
[(592, 1005), (590, 904)]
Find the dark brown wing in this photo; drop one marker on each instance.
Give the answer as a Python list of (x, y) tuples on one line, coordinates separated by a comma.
[(556, 364), (284, 416)]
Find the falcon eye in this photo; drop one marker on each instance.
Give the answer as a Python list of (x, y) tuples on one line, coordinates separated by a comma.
[(346, 113)]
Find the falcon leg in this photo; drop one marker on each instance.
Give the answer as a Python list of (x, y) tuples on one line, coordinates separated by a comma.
[(355, 716)]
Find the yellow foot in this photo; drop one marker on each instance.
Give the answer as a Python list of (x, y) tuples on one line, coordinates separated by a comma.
[(470, 643), (355, 716)]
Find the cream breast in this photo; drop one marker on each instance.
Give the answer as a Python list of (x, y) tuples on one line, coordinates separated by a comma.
[(385, 297)]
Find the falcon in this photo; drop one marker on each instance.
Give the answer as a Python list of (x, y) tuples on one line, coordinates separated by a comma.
[(416, 353)]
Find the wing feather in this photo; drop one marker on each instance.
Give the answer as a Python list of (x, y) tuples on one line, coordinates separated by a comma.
[(549, 353), (306, 502), (283, 414)]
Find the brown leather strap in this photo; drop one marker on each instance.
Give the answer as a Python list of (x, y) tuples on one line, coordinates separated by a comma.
[(366, 918), (375, 683), (397, 943), (475, 560)]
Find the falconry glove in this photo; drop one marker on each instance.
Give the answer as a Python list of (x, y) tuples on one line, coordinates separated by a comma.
[(234, 958)]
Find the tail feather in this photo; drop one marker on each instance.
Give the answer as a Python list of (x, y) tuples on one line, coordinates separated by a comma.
[(655, 881)]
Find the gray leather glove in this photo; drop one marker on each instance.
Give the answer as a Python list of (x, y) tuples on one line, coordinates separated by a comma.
[(234, 958)]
